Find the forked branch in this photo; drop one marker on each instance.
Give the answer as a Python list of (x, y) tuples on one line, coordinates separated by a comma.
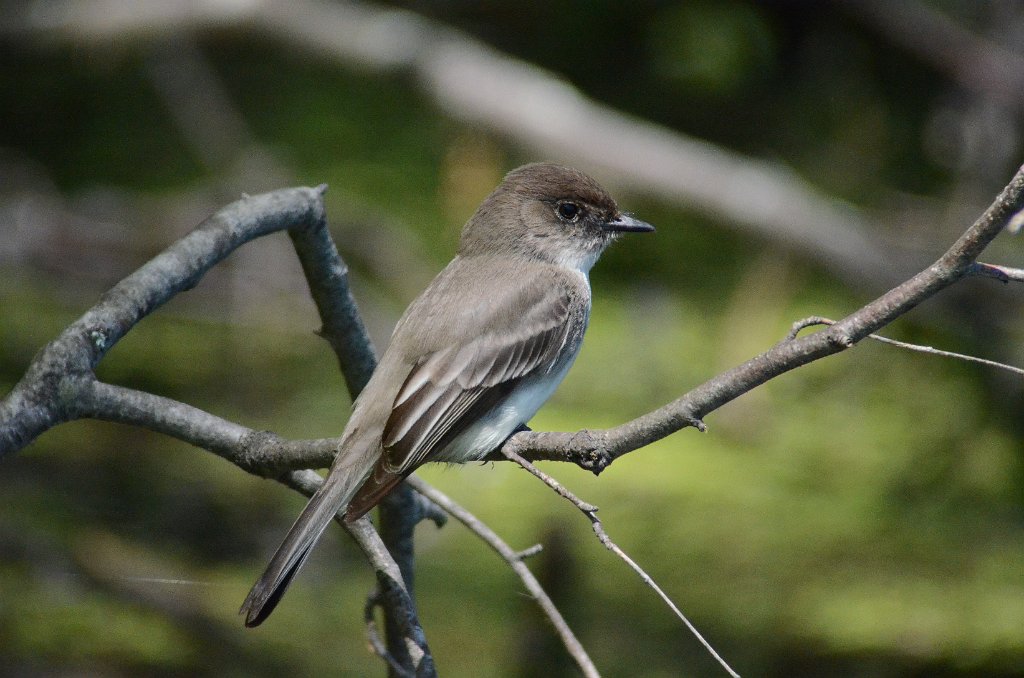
[(60, 384)]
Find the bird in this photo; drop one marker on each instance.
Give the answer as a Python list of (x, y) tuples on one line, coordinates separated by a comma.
[(473, 357)]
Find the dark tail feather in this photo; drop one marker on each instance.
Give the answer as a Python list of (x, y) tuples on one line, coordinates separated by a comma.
[(332, 496), (267, 592), (371, 492)]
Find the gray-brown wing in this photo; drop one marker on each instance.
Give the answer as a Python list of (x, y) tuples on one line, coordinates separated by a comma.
[(449, 389)]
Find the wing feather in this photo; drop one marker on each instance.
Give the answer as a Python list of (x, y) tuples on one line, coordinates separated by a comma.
[(449, 389)]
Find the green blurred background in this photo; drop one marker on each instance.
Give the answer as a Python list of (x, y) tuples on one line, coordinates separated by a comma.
[(863, 516)]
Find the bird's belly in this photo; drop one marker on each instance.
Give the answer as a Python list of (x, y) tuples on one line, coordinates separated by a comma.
[(490, 431)]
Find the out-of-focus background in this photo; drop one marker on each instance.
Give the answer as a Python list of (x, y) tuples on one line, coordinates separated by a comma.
[(863, 516)]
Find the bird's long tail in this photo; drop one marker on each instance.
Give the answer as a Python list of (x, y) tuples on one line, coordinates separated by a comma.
[(333, 495)]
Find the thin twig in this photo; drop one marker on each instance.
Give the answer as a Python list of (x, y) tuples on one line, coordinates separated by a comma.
[(515, 561), (394, 598), (590, 511), (529, 552), (818, 320), (373, 601), (1016, 223), (1002, 273)]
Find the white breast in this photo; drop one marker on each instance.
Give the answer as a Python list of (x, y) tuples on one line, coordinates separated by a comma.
[(490, 431)]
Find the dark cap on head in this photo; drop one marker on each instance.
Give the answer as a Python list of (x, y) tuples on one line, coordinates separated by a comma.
[(550, 212), (548, 181)]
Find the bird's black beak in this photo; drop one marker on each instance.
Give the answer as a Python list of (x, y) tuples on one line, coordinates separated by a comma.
[(624, 223)]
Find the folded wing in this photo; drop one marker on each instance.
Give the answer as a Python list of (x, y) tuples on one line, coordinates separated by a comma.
[(450, 389)]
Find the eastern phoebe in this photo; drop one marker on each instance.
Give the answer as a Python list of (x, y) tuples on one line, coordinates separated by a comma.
[(473, 357)]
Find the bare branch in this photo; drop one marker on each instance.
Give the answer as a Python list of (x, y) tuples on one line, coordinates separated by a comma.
[(260, 452), (57, 386), (947, 354), (342, 326), (48, 393), (818, 320), (595, 450), (590, 511), (392, 593), (1001, 273), (60, 384), (515, 561), (373, 601)]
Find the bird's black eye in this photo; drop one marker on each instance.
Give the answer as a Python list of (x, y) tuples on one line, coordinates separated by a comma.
[(569, 211)]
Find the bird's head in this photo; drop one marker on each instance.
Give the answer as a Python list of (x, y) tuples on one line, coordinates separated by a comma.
[(549, 212)]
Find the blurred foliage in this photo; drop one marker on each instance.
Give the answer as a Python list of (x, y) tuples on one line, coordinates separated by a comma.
[(859, 517)]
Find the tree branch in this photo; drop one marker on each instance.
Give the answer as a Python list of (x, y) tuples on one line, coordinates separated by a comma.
[(1001, 273), (818, 320), (342, 327), (590, 511), (47, 394), (60, 385), (404, 630), (515, 561), (596, 449)]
